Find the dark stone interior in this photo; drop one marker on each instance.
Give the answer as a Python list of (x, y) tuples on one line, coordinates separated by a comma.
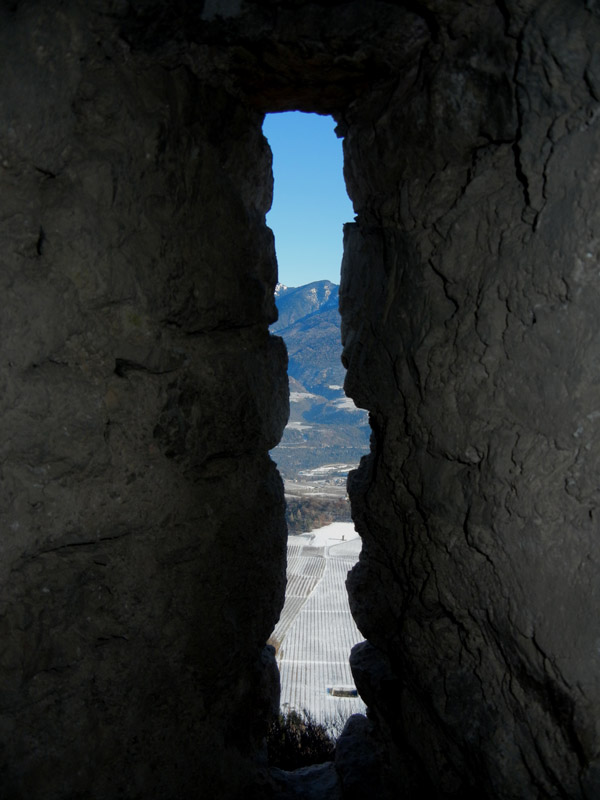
[(143, 533)]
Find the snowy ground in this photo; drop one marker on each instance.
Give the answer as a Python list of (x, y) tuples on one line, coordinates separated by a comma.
[(316, 632), (327, 480), (330, 535)]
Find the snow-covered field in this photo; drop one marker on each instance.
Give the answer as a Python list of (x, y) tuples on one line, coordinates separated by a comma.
[(316, 631), (330, 535), (347, 404), (299, 426), (327, 469), (298, 397)]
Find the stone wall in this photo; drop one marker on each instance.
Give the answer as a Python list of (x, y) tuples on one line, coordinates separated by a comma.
[(142, 522), (469, 289)]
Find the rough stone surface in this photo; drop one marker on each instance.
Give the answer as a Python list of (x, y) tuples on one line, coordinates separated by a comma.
[(142, 549), (468, 293), (317, 782), (143, 538), (357, 760)]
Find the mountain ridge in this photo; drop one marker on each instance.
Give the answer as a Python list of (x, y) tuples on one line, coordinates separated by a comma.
[(297, 302), (326, 433)]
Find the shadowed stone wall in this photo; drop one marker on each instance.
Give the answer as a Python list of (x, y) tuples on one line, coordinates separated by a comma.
[(142, 526), (469, 296), (142, 522)]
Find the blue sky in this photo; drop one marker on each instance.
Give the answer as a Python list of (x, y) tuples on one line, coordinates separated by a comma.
[(310, 204)]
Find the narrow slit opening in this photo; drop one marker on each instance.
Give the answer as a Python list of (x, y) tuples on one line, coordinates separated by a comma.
[(326, 434)]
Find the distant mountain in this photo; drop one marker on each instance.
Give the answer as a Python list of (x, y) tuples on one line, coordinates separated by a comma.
[(325, 427), (297, 302)]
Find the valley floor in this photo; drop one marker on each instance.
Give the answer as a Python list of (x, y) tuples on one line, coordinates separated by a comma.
[(316, 631)]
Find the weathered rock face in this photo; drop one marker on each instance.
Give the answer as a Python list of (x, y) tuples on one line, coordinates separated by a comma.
[(470, 283), (142, 521), (142, 526)]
